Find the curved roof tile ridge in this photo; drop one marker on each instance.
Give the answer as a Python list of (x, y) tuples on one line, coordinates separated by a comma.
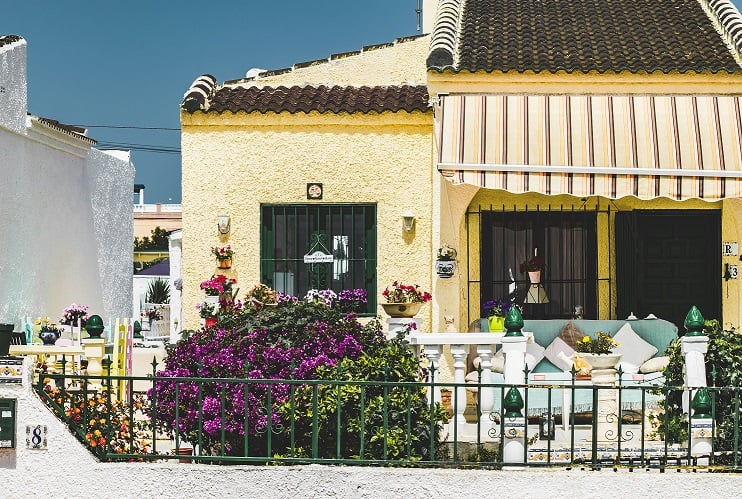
[(8, 39), (445, 33), (198, 93), (731, 23)]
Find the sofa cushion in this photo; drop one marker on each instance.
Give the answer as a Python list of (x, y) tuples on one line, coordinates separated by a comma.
[(557, 347), (655, 364), (633, 349), (570, 334)]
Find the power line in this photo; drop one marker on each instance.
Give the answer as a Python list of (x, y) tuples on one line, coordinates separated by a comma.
[(130, 127)]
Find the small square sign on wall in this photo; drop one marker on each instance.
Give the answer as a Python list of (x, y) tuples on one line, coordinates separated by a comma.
[(729, 248), (36, 437)]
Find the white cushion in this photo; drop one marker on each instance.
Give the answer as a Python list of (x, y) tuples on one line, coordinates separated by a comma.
[(633, 349), (554, 349), (534, 355), (498, 364), (655, 364)]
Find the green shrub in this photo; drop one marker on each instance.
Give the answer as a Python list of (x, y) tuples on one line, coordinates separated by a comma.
[(723, 369), (158, 291)]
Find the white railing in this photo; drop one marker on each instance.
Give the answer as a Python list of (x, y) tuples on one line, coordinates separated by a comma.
[(158, 208)]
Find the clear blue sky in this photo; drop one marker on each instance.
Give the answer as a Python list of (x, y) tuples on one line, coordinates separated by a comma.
[(128, 63)]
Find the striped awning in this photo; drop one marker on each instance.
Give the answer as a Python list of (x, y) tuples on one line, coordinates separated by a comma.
[(647, 146)]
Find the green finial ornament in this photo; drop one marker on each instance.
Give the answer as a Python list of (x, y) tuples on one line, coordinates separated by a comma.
[(513, 404), (701, 404), (694, 322), (513, 322)]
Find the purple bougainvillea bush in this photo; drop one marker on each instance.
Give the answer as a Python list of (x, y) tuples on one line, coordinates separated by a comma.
[(291, 340)]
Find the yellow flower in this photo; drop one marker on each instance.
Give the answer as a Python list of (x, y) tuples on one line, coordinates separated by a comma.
[(586, 339)]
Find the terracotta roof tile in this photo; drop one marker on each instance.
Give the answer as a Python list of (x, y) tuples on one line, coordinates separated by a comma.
[(334, 99), (582, 36), (8, 39)]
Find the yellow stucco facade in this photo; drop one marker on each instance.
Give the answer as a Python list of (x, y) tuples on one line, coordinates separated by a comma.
[(237, 162), (234, 162)]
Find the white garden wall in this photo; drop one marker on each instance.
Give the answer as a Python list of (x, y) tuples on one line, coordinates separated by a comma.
[(66, 469), (65, 214)]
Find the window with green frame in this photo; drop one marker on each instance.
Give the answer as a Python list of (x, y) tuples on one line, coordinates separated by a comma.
[(346, 231)]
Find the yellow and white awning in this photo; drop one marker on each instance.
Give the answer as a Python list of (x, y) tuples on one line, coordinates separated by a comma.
[(647, 146)]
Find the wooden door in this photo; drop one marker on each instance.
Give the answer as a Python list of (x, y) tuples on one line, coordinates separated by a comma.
[(668, 261)]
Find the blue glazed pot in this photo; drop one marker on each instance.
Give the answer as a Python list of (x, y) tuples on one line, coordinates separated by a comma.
[(49, 337)]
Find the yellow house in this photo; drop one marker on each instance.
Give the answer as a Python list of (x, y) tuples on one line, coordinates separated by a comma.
[(326, 156), (606, 136)]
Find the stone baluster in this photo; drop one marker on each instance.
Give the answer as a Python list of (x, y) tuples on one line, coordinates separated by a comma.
[(433, 354), (486, 393), (459, 353)]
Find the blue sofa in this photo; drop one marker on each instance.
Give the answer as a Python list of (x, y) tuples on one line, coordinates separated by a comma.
[(659, 333)]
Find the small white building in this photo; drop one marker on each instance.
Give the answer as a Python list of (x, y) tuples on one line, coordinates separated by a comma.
[(65, 210)]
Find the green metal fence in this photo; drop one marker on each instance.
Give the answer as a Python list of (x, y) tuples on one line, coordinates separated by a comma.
[(381, 423)]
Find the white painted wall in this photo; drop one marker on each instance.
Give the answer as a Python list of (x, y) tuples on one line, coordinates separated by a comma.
[(176, 295), (66, 469), (65, 216)]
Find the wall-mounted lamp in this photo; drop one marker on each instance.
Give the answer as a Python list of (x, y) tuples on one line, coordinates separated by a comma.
[(408, 221), (223, 224)]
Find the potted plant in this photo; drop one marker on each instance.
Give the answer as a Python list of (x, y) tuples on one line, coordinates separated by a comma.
[(496, 311), (445, 263), (75, 315), (598, 351), (404, 300), (48, 332), (260, 296), (446, 396), (533, 267), (207, 311), (223, 256)]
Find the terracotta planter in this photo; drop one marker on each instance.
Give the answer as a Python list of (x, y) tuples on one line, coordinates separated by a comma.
[(402, 309), (225, 264), (185, 451), (535, 277), (446, 403), (602, 360)]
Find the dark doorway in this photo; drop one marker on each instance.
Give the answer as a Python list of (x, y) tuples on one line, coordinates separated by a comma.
[(668, 261)]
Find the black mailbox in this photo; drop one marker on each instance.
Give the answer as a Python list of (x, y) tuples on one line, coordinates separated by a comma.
[(7, 423)]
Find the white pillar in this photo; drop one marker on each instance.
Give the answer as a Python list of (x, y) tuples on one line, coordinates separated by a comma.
[(433, 354), (94, 351), (395, 324), (694, 349), (514, 348)]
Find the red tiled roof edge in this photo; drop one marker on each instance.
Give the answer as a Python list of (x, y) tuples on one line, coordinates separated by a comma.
[(324, 99)]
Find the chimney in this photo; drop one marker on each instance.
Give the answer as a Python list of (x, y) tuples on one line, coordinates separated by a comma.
[(430, 9)]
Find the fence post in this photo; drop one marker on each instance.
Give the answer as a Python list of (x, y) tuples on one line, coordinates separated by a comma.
[(94, 349), (694, 346), (701, 427), (514, 434)]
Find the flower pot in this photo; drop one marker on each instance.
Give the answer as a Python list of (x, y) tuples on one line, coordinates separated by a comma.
[(225, 264), (49, 337), (496, 324), (402, 309), (446, 403), (445, 268), (6, 333), (534, 277), (602, 360), (185, 451)]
